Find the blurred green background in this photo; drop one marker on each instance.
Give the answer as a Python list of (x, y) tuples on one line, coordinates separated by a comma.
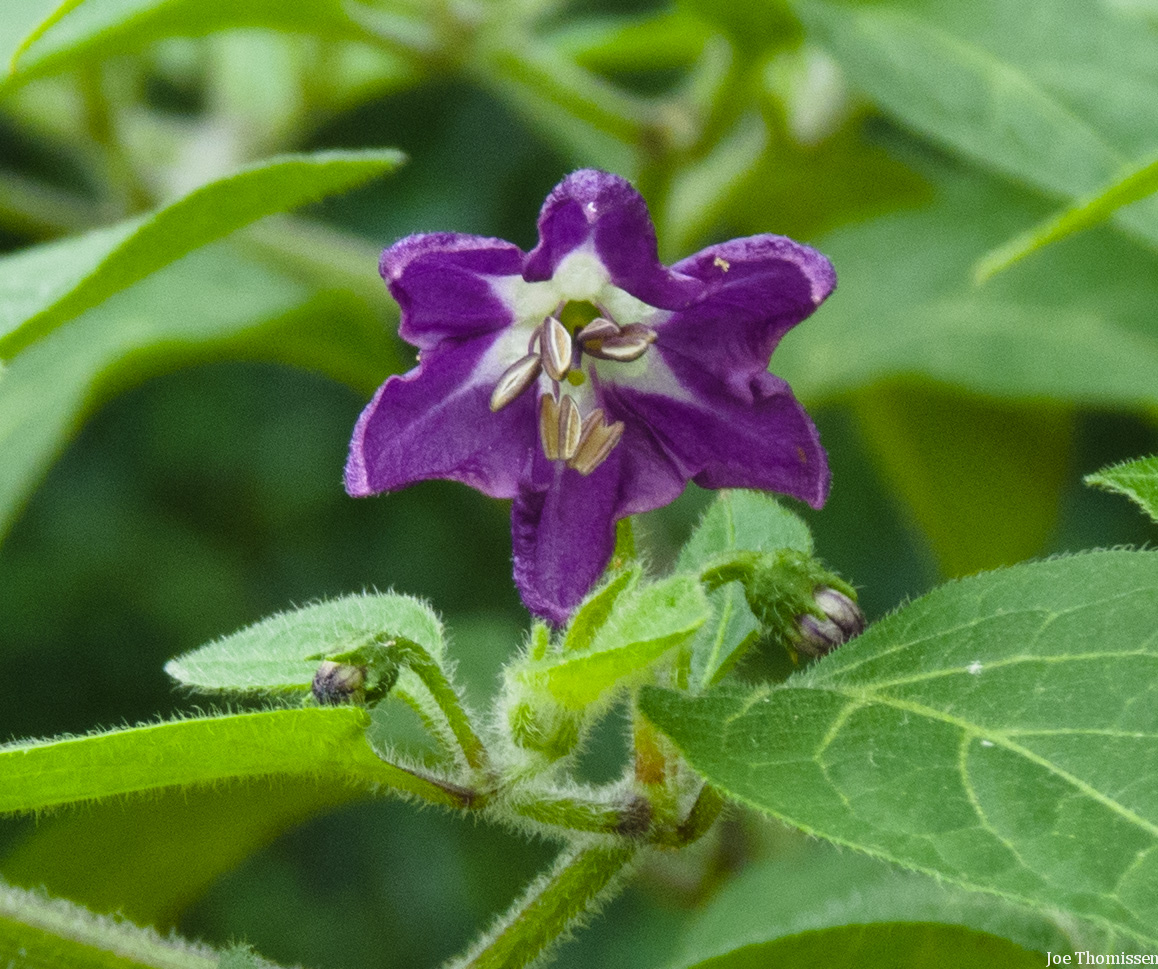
[(203, 491)]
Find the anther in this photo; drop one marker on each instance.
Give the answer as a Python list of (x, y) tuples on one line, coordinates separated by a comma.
[(555, 349), (570, 428), (515, 379), (549, 426), (629, 343), (599, 328), (596, 442)]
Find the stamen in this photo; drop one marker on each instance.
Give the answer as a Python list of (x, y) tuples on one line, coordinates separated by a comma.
[(596, 442), (599, 328), (549, 426), (570, 428), (515, 379), (629, 343), (556, 349)]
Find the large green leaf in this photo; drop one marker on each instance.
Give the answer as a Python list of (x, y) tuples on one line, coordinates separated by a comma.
[(1137, 480), (215, 302), (1058, 94), (1075, 324), (46, 285), (818, 906), (321, 742), (147, 859), (280, 653), (74, 31), (999, 733)]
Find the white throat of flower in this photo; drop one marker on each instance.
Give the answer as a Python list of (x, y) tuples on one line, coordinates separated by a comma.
[(573, 322)]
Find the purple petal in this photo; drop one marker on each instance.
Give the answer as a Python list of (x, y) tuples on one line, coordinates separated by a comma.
[(759, 438), (441, 283), (563, 525), (436, 422), (562, 537), (604, 210), (756, 290)]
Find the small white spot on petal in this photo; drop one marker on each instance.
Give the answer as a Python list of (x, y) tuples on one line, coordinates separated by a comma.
[(721, 263), (974, 667), (591, 211)]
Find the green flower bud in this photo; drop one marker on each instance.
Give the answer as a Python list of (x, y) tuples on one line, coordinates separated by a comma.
[(797, 600)]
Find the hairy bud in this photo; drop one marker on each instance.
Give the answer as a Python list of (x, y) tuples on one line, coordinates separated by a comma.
[(336, 683)]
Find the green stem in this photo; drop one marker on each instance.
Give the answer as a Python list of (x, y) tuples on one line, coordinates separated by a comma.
[(568, 88), (584, 876), (125, 189), (616, 815), (321, 255), (702, 816), (400, 32), (443, 694)]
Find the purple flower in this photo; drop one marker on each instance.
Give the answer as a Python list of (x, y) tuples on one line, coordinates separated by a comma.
[(587, 381)]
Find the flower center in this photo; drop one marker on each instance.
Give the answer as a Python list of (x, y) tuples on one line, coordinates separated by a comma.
[(556, 349)]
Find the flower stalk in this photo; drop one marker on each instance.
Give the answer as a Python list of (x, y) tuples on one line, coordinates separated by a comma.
[(585, 875)]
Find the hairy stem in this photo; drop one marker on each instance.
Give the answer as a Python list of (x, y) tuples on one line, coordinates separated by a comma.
[(584, 876), (629, 817), (443, 694)]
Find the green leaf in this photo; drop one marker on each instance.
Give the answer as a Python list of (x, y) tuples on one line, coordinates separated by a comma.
[(149, 858), (1134, 185), (280, 653), (44, 286), (228, 307), (328, 743), (898, 945), (743, 521), (37, 932), (1137, 480), (1006, 468), (815, 905), (1058, 94), (1074, 325), (736, 521), (77, 31), (644, 625), (998, 733)]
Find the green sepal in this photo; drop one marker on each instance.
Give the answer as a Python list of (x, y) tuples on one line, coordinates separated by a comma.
[(641, 627), (594, 612), (779, 586)]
